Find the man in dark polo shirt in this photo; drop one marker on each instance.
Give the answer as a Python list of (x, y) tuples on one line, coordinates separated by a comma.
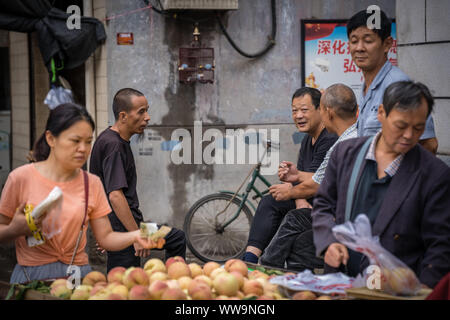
[(112, 160), (314, 146), (402, 188)]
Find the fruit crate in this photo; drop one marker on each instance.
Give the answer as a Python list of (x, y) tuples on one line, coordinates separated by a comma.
[(30, 294)]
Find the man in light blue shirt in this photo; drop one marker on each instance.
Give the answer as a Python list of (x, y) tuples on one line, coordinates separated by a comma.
[(369, 49)]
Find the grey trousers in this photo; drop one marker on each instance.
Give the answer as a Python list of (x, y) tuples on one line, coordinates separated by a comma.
[(293, 244), (55, 270)]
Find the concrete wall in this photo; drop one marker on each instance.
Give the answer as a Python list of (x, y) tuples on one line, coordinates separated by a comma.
[(246, 93), (20, 98), (424, 54)]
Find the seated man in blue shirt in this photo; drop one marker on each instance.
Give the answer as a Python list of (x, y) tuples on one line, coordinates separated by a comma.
[(369, 49)]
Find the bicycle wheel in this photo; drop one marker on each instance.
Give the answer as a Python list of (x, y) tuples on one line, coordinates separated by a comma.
[(206, 240)]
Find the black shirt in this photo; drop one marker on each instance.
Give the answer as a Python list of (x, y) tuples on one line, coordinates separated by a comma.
[(311, 156), (112, 160), (368, 199)]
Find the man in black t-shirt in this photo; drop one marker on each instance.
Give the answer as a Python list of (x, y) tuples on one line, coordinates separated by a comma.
[(270, 212), (112, 160)]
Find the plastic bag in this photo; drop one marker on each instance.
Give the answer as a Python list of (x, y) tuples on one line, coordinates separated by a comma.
[(51, 207), (395, 276), (57, 96), (332, 284)]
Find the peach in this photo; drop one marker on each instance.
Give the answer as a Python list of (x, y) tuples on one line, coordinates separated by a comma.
[(114, 296), (173, 294), (240, 295), (215, 272), (156, 289), (154, 265), (196, 269), (178, 269), (222, 297), (304, 295), (135, 276), (174, 259), (61, 291), (139, 292), (93, 277), (102, 294), (60, 281), (98, 286), (200, 291), (174, 284), (116, 274), (257, 274), (253, 287), (236, 265), (184, 282), (324, 298), (401, 280), (82, 292), (121, 290), (239, 278), (226, 284), (209, 267), (205, 279), (158, 276)]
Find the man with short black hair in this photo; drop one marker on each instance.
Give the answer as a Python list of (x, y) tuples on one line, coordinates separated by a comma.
[(113, 161), (314, 146), (369, 49), (402, 188)]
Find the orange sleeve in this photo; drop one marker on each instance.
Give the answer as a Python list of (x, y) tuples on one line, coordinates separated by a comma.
[(101, 205), (10, 196)]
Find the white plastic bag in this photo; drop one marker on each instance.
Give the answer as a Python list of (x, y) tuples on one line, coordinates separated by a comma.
[(51, 224), (396, 277), (57, 96), (331, 284)]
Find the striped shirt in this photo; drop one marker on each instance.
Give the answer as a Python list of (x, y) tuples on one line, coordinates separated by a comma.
[(351, 132), (392, 168)]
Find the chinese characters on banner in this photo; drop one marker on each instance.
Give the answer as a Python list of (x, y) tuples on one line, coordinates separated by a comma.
[(327, 57)]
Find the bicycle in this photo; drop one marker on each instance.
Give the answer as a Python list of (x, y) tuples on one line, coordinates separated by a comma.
[(215, 228)]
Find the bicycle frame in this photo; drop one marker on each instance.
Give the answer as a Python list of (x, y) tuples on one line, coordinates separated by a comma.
[(244, 196)]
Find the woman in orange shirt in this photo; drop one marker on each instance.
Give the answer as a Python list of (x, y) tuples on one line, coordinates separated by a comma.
[(60, 153)]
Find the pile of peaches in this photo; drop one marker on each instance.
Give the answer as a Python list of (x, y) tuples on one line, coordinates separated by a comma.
[(173, 280)]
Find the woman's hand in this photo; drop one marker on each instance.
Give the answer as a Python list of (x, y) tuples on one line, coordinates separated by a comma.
[(18, 225), (143, 246)]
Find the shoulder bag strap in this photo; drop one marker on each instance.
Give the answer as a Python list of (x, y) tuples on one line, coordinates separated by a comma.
[(86, 199), (354, 176)]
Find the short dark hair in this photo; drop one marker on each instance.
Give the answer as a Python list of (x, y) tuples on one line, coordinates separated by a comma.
[(122, 100), (60, 119), (406, 95), (341, 99), (313, 93), (360, 19)]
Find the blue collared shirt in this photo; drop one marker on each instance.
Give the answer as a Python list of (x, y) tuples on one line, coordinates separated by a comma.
[(368, 124)]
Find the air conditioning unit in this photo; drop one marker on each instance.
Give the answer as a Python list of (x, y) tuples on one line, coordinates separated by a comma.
[(200, 4)]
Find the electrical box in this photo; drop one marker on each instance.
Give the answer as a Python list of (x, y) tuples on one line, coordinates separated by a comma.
[(200, 4)]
